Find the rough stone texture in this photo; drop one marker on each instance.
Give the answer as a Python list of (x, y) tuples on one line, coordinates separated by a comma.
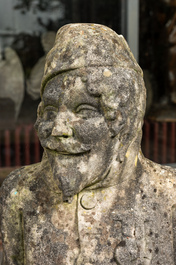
[(94, 198), (12, 79)]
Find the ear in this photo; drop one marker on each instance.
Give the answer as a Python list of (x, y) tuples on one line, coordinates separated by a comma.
[(40, 109), (117, 123)]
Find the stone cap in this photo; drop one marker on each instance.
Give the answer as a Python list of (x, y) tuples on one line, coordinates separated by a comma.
[(85, 45)]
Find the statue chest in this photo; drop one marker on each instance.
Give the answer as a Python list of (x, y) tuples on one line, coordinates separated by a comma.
[(98, 227)]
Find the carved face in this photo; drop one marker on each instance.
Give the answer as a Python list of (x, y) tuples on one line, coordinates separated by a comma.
[(74, 133)]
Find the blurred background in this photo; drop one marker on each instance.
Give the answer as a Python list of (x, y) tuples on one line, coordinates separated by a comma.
[(27, 32)]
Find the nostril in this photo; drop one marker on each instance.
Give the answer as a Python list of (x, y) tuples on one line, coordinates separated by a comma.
[(65, 136), (61, 136)]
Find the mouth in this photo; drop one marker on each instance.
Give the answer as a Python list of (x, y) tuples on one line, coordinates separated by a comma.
[(64, 153), (67, 147)]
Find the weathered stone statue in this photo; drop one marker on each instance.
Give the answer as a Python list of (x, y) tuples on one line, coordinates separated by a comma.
[(94, 198)]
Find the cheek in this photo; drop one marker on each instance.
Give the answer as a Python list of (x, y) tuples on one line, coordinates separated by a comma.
[(45, 129), (91, 131)]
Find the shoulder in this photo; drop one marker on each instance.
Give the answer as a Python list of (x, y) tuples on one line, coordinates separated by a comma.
[(159, 180), (160, 172), (17, 180)]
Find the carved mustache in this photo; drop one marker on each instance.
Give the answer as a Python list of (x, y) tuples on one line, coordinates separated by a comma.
[(65, 145)]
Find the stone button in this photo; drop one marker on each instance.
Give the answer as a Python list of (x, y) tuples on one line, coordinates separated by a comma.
[(88, 201)]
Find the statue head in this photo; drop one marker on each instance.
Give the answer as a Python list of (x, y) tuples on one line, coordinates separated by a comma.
[(91, 113)]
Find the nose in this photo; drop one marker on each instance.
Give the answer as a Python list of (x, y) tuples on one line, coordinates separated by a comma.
[(62, 126)]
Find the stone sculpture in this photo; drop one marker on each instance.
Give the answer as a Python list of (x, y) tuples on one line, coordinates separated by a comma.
[(171, 55), (94, 198), (12, 79), (33, 83)]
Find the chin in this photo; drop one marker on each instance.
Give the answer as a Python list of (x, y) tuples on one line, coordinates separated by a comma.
[(75, 172)]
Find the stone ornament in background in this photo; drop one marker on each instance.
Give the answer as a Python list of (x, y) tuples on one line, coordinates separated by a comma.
[(12, 79), (171, 54), (94, 198), (34, 81)]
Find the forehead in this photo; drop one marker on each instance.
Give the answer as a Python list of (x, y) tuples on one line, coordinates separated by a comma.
[(71, 85), (61, 84), (93, 81)]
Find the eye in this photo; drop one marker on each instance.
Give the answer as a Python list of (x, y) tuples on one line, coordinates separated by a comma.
[(49, 113), (87, 111)]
